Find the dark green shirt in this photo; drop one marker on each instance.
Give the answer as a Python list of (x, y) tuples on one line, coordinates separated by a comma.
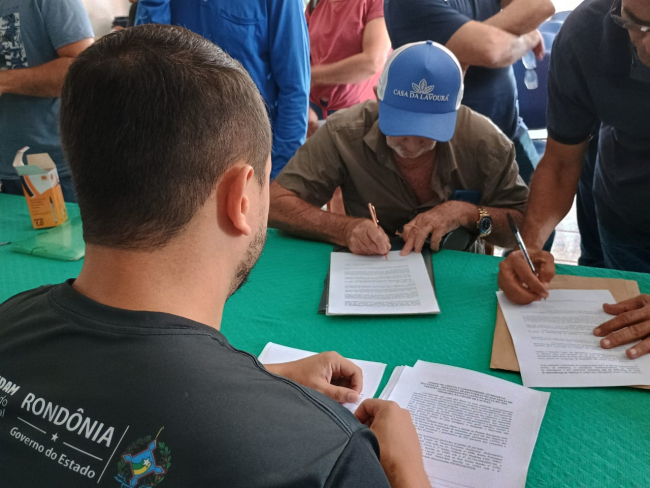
[(96, 396)]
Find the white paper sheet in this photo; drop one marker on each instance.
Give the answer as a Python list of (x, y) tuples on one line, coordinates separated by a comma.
[(392, 381), (556, 346), (476, 431), (372, 285), (372, 371)]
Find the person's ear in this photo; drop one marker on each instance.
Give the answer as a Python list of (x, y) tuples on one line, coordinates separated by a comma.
[(237, 203)]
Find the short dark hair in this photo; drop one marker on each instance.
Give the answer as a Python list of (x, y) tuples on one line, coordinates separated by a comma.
[(151, 118)]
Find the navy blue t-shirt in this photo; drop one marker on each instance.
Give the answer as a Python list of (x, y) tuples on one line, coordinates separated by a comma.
[(595, 81), (490, 92)]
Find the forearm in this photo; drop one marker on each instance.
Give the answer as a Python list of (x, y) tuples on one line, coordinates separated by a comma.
[(522, 16), (45, 80), (290, 213), (551, 198), (477, 44), (516, 48), (413, 477), (350, 70)]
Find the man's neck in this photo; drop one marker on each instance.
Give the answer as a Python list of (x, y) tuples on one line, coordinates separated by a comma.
[(424, 160), (418, 173), (167, 281)]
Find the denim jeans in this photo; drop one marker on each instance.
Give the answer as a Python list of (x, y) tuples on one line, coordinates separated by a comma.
[(15, 187), (623, 256), (591, 252), (527, 157)]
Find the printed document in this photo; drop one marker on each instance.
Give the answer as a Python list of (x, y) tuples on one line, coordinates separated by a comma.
[(556, 346), (372, 371), (476, 431), (370, 285)]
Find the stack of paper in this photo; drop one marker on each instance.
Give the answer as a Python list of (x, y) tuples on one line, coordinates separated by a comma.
[(372, 371), (556, 346), (476, 431), (374, 285)]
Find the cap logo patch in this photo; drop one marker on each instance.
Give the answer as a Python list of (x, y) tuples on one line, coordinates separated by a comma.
[(422, 87), (421, 91)]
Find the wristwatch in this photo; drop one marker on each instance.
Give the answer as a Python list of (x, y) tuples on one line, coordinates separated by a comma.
[(484, 222)]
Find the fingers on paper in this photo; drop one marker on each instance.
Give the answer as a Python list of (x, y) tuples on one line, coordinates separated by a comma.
[(622, 320), (340, 394), (627, 305), (371, 407), (344, 368), (640, 349), (626, 335), (365, 413), (518, 281), (415, 238)]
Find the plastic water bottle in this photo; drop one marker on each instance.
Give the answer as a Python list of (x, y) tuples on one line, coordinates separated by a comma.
[(530, 77), (529, 60)]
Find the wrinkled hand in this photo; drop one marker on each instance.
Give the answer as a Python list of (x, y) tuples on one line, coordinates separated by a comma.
[(539, 49), (436, 222), (328, 372), (401, 455), (517, 280), (632, 323), (362, 236)]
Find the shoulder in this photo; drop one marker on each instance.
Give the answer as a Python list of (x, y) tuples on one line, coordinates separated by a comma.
[(270, 419), (280, 401), (583, 28), (477, 131), (23, 301), (354, 121)]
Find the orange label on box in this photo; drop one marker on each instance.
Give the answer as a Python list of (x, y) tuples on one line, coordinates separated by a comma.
[(42, 189)]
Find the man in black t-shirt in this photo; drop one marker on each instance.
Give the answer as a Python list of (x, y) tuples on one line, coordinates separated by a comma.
[(121, 377)]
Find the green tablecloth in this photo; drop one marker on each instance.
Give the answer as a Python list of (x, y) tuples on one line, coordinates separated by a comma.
[(595, 437)]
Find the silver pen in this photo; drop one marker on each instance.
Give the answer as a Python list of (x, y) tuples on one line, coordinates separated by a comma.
[(520, 241)]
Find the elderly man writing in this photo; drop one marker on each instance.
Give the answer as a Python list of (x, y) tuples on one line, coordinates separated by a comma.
[(428, 165)]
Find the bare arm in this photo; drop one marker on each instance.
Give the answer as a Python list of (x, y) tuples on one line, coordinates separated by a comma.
[(551, 195), (519, 17), (552, 190), (359, 67), (479, 44), (503, 38), (45, 80), (290, 213)]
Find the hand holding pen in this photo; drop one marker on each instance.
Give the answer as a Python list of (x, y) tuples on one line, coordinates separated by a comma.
[(373, 215), (525, 275)]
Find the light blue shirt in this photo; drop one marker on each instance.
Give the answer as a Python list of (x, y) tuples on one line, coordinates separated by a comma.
[(269, 38), (31, 31)]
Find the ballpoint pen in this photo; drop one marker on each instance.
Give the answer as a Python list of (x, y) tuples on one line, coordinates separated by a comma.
[(520, 241), (373, 215)]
